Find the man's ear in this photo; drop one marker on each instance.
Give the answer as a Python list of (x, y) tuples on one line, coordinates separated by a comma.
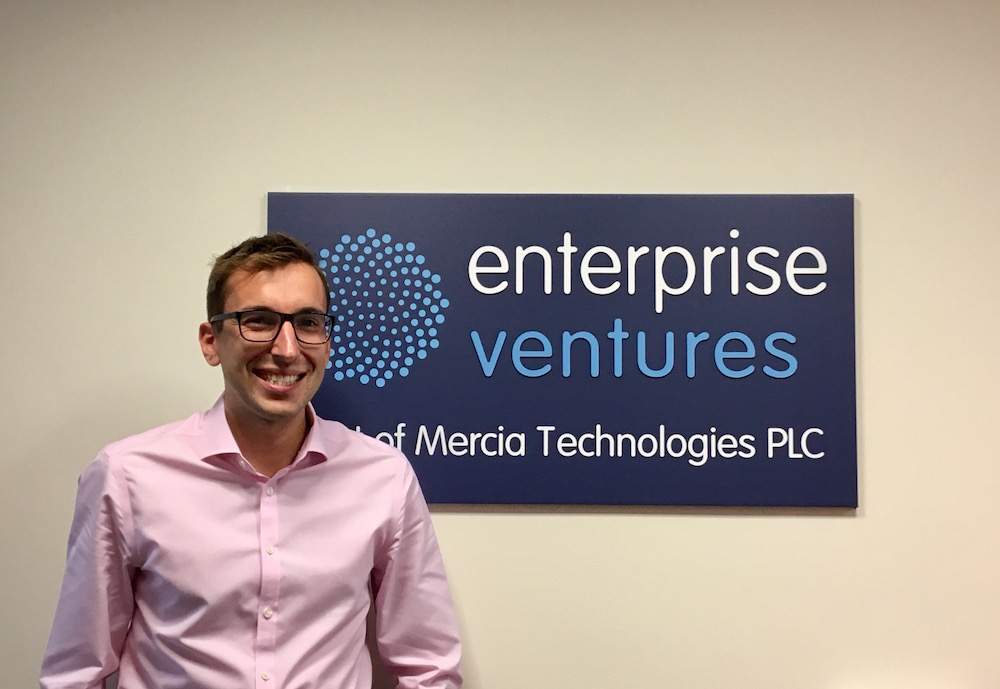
[(206, 337)]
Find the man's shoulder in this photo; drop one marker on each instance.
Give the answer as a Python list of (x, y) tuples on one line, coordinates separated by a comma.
[(367, 467), (344, 443), (140, 458), (173, 435)]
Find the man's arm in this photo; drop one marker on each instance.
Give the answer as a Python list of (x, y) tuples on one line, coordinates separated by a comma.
[(95, 604), (415, 626)]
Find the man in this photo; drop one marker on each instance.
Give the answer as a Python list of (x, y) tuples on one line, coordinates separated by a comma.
[(242, 547)]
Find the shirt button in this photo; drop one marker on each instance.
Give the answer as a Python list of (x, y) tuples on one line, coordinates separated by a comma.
[(270, 490), (265, 676), (270, 550), (268, 613)]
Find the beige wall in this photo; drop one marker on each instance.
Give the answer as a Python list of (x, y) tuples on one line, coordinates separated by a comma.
[(138, 138)]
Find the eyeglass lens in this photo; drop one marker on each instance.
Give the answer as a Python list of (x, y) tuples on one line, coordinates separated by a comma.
[(263, 326)]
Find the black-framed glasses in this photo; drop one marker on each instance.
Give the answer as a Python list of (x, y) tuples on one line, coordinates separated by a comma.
[(263, 325)]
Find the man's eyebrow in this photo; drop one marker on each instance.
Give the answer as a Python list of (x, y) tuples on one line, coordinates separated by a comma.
[(304, 309)]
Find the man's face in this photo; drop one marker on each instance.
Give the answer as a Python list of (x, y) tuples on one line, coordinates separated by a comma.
[(268, 382)]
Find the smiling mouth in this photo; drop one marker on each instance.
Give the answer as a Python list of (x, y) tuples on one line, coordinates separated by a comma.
[(279, 378)]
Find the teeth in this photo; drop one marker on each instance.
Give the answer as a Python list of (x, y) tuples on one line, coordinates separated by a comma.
[(280, 380)]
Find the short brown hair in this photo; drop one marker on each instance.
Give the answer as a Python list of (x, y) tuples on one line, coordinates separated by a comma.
[(253, 255)]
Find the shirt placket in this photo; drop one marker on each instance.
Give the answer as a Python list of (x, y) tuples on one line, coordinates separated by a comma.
[(270, 571)]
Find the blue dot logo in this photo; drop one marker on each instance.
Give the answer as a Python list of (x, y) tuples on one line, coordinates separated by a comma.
[(388, 307)]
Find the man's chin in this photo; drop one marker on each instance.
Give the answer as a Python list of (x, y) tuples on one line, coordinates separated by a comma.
[(279, 411), (275, 411)]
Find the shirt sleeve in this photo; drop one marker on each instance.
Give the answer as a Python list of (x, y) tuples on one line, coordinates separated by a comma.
[(415, 626), (95, 604)]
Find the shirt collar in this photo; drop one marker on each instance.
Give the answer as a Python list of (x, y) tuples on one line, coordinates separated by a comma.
[(216, 438), (313, 448)]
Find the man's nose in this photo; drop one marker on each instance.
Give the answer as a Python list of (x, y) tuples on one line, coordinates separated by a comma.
[(285, 345)]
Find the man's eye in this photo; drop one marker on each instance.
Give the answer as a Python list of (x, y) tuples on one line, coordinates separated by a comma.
[(309, 322), (259, 320)]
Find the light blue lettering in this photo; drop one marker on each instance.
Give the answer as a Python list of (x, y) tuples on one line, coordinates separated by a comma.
[(692, 345), (489, 363), (595, 352), (618, 336), (793, 363), (721, 355), (668, 359), (519, 352)]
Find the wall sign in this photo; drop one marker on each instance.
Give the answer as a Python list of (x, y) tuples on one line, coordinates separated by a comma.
[(595, 349)]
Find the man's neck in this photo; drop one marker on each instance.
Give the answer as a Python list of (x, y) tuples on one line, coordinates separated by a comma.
[(269, 447)]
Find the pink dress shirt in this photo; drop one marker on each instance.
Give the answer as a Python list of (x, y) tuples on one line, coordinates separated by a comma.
[(187, 569)]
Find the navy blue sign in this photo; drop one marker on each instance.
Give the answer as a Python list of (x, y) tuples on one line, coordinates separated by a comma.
[(595, 349)]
